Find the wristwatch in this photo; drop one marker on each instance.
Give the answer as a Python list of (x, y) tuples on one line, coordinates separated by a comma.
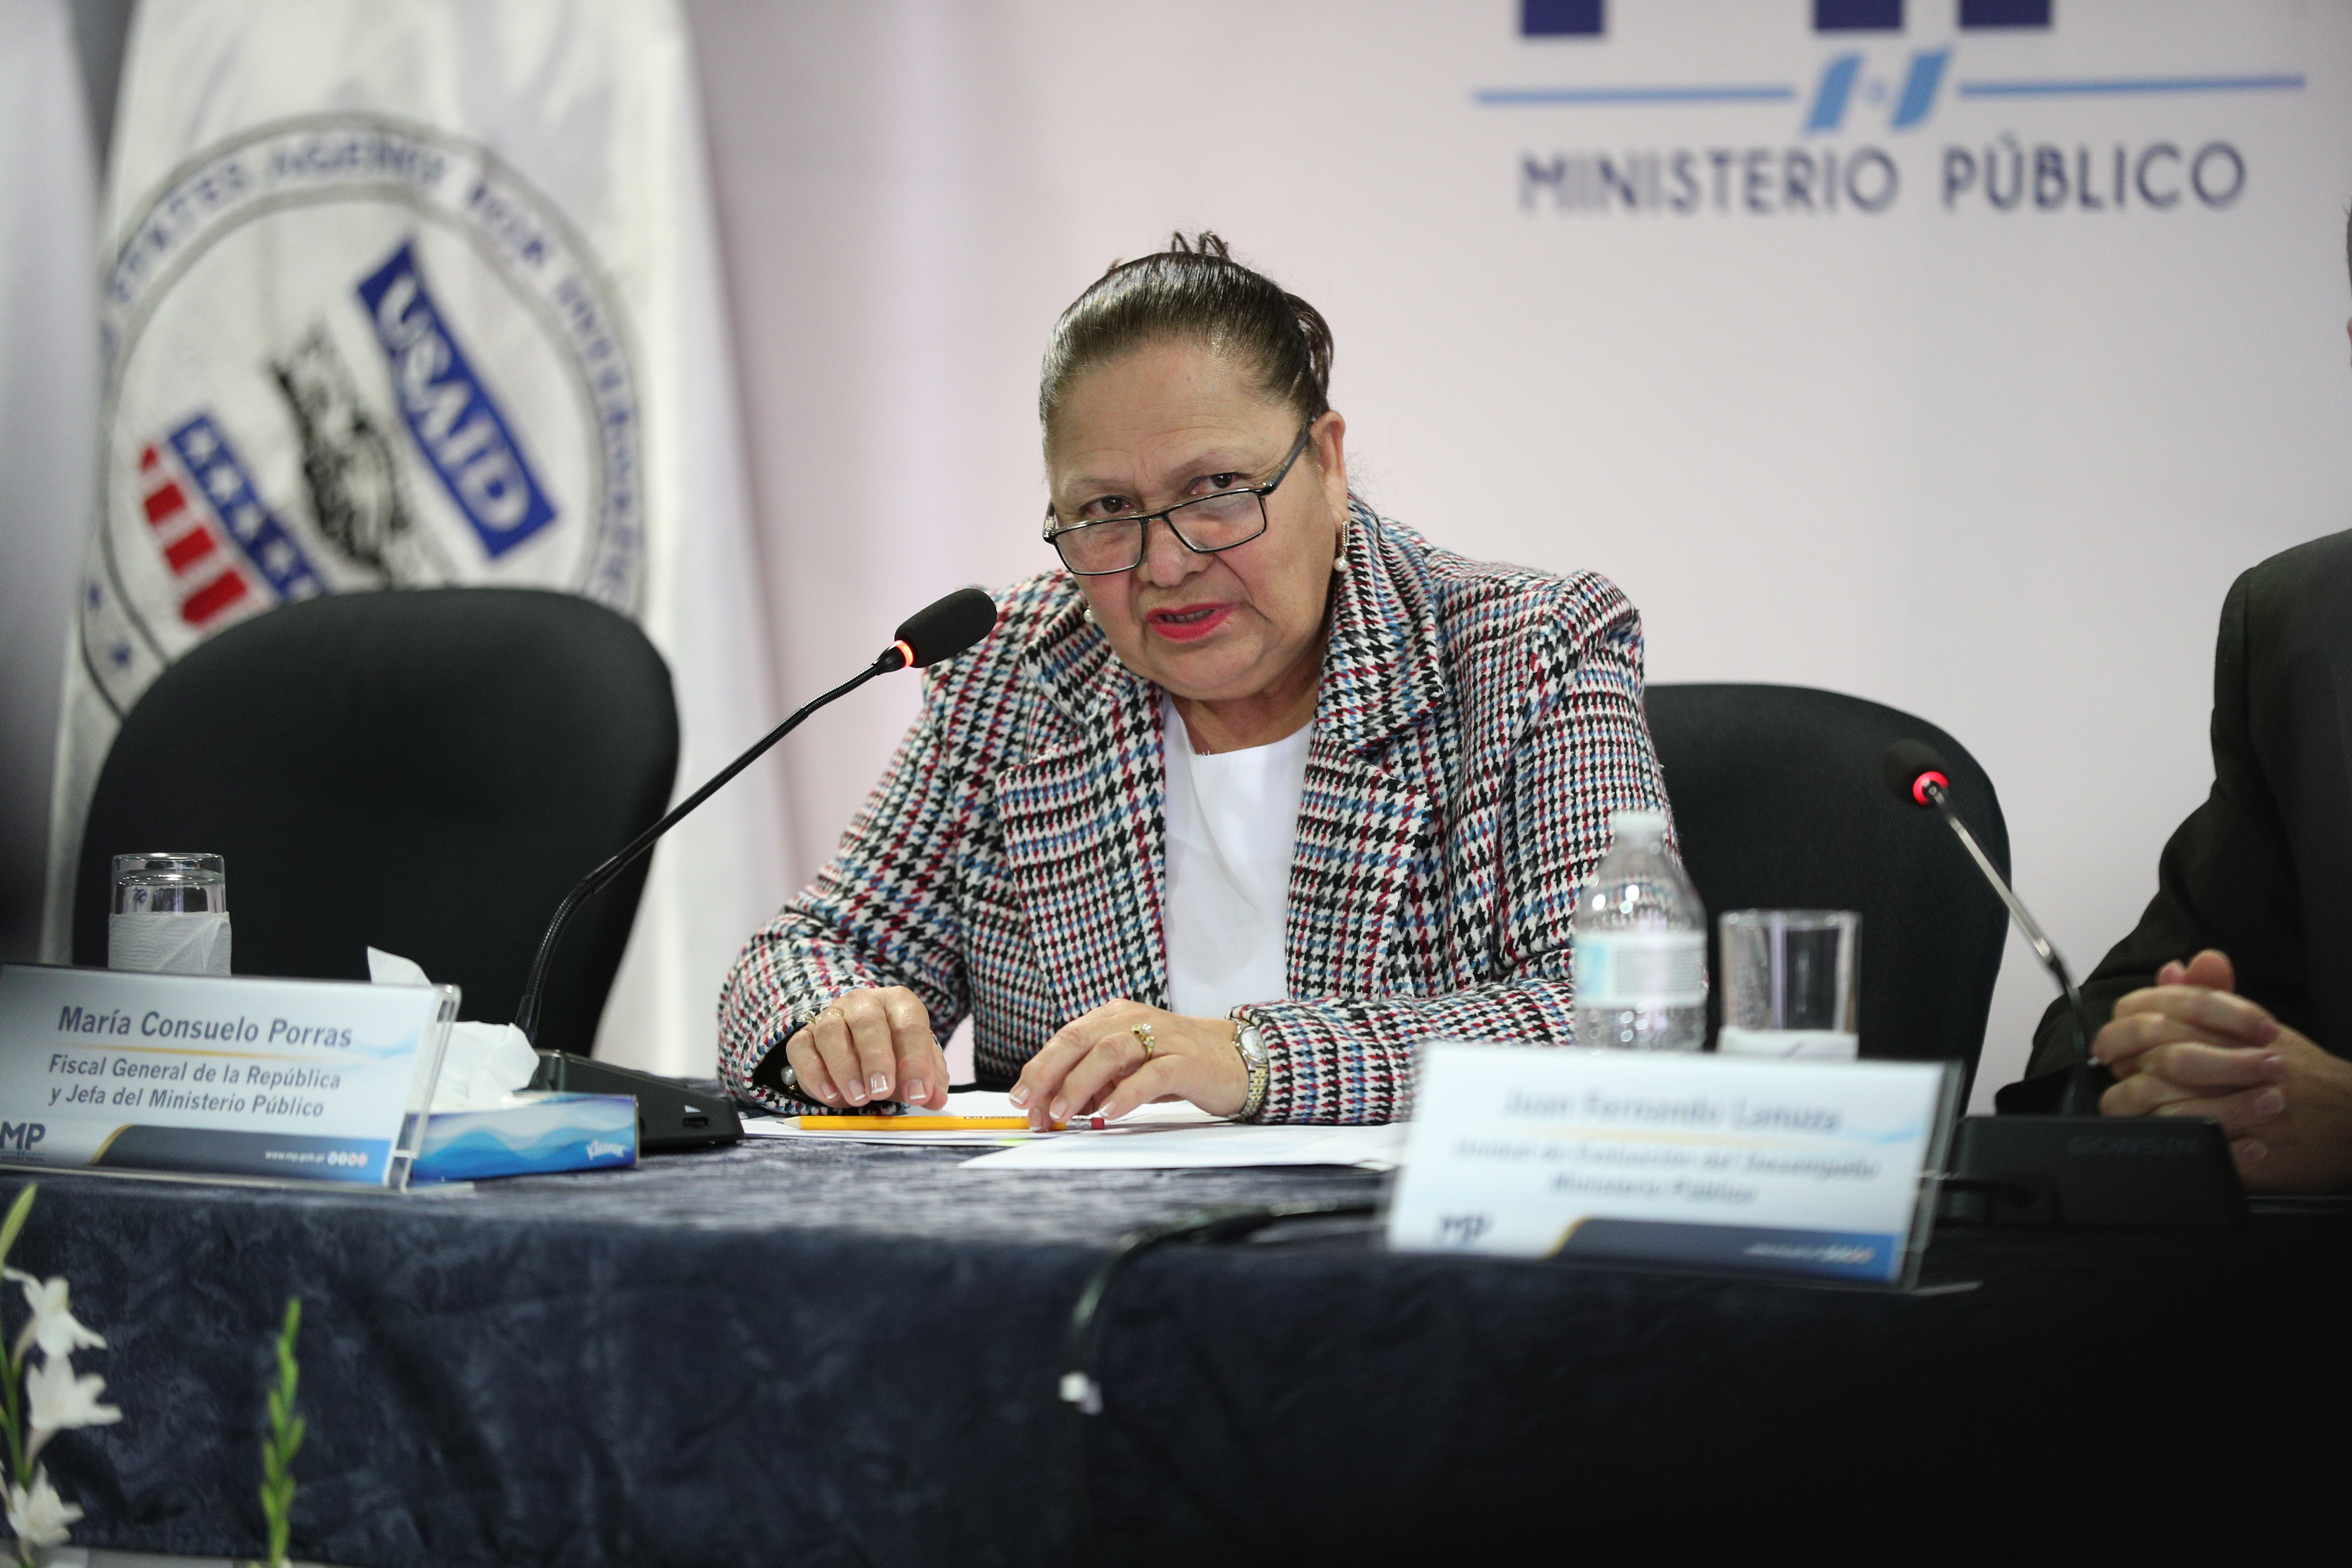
[(1251, 1046)]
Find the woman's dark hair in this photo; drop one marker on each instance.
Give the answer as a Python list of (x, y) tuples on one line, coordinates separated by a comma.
[(1193, 289)]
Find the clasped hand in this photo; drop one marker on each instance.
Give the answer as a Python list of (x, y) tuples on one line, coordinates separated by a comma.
[(878, 1043), (2188, 1045)]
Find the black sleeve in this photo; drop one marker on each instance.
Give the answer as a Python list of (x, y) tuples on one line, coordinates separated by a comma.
[(2226, 880)]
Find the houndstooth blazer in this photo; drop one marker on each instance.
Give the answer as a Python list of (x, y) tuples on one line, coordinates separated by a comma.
[(1475, 726)]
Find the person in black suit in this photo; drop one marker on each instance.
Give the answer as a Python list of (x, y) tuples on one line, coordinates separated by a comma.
[(2233, 997)]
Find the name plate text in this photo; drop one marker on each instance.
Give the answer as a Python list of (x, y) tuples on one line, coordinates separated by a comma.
[(302, 1080), (1702, 1162)]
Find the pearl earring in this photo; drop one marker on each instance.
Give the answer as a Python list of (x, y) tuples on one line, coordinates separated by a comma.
[(1091, 619)]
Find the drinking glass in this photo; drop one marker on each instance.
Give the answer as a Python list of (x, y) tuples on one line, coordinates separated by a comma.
[(169, 914), (1789, 984)]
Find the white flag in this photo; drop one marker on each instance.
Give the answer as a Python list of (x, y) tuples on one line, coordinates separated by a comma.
[(407, 293)]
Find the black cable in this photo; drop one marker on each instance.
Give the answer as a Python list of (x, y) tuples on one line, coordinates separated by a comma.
[(1080, 1389), (527, 1011)]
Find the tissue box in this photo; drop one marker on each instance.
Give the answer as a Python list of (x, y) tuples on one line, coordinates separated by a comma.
[(531, 1134)]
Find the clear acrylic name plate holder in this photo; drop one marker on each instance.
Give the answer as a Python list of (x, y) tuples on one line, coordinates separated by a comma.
[(1821, 1172), (283, 1082)]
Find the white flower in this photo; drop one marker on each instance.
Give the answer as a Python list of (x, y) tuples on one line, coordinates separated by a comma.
[(40, 1517), (58, 1400), (53, 1326)]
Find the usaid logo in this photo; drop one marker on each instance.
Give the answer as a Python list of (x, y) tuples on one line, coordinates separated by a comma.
[(455, 422), (348, 352), (2011, 142)]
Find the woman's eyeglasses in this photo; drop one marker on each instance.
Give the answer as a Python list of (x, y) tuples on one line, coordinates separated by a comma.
[(1204, 525)]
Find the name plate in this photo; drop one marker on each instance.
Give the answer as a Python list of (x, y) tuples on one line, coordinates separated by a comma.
[(295, 1080), (1700, 1161)]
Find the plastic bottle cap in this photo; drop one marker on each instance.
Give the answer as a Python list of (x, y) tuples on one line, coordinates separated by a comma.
[(1637, 824)]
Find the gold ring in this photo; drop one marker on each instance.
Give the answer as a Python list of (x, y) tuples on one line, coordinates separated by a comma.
[(833, 1013), (1142, 1032)]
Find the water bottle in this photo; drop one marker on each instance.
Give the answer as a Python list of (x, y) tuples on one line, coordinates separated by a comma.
[(1640, 944)]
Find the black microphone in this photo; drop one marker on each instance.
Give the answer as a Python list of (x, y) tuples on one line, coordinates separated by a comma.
[(1919, 776), (938, 631)]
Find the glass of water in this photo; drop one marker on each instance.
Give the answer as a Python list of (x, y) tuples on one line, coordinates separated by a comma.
[(169, 914), (1788, 985)]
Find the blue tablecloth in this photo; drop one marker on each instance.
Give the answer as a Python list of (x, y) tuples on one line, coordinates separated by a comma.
[(840, 1353)]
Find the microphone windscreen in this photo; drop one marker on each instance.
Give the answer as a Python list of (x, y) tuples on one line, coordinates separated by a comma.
[(1906, 762), (947, 627)]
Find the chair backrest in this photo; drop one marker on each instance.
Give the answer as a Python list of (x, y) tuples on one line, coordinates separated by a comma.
[(1778, 804), (422, 771)]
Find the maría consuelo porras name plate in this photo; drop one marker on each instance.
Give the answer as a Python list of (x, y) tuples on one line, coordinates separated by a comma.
[(293, 1080)]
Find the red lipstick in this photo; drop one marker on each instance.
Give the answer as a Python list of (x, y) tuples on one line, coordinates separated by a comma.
[(1189, 622)]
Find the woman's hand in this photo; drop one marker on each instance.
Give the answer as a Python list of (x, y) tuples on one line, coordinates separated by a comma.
[(868, 1046), (1097, 1066), (2188, 1047)]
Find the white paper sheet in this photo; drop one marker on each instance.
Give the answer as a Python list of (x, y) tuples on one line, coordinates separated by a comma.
[(1174, 1137)]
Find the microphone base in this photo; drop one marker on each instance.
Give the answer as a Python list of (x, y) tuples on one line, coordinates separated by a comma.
[(671, 1117), (2092, 1172)]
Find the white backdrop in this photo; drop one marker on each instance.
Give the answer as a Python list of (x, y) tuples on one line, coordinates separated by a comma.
[(1992, 464)]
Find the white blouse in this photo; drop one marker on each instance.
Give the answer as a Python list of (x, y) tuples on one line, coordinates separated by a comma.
[(1233, 826)]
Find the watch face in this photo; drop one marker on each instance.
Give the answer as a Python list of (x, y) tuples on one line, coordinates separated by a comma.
[(1252, 1044)]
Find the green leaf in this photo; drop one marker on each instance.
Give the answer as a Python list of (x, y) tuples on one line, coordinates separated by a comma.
[(287, 1430)]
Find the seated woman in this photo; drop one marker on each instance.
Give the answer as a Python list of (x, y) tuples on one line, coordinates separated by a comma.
[(1256, 796)]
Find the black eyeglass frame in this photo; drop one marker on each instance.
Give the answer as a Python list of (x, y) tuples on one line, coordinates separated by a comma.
[(1144, 519)]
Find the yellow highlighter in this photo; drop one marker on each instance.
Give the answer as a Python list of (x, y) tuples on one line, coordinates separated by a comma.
[(927, 1125)]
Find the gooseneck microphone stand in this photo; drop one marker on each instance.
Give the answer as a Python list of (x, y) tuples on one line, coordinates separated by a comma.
[(939, 630), (596, 881), (1927, 785), (672, 1115), (2077, 1167)]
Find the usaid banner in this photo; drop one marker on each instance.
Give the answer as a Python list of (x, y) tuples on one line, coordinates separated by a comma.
[(413, 293), (346, 431)]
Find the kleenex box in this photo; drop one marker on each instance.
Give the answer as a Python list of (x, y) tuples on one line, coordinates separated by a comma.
[(531, 1134)]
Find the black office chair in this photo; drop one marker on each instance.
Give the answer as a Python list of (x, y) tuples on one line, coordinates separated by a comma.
[(426, 771), (1779, 805)]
